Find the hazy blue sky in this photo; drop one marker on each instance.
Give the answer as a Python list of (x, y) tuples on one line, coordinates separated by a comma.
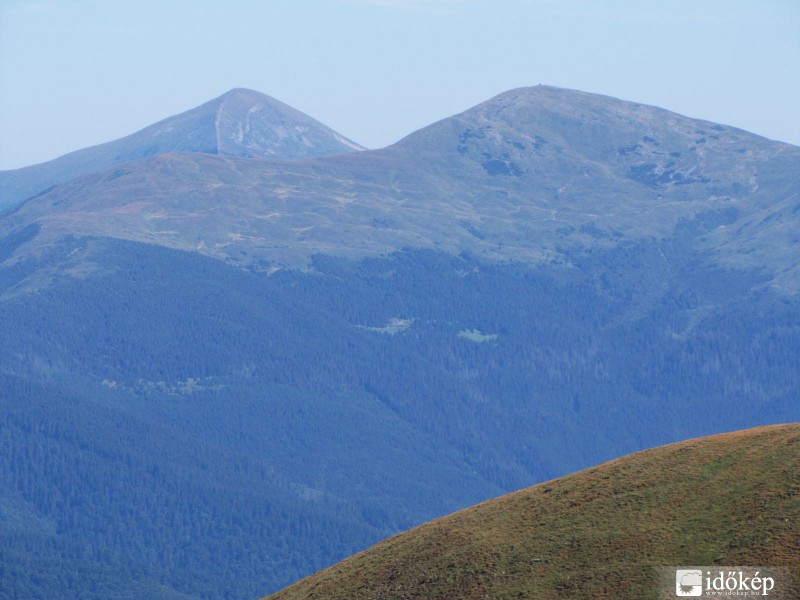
[(79, 72)]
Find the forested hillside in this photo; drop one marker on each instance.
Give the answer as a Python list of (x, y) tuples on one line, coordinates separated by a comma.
[(175, 409)]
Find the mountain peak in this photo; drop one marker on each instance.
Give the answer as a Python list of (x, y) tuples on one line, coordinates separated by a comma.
[(239, 92), (251, 124), (545, 131), (246, 124), (245, 95), (241, 122)]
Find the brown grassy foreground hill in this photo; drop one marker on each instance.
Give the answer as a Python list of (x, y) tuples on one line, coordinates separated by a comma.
[(731, 499)]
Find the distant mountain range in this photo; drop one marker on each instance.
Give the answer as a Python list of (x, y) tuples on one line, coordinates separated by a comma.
[(233, 334), (600, 533), (532, 175)]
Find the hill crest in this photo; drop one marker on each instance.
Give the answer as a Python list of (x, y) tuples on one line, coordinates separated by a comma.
[(728, 499)]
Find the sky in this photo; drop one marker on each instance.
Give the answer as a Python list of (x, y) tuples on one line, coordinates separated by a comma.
[(74, 73)]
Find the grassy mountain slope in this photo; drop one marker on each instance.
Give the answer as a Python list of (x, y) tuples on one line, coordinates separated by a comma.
[(731, 499)]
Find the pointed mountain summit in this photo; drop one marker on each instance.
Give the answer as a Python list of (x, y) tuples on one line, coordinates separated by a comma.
[(241, 123), (251, 124)]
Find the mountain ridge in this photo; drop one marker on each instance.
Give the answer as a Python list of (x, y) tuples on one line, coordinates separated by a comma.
[(534, 174)]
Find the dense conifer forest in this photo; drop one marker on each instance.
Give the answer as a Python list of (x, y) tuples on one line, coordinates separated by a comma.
[(210, 432)]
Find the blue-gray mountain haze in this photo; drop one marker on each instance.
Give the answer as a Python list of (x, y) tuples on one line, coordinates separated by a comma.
[(235, 349)]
